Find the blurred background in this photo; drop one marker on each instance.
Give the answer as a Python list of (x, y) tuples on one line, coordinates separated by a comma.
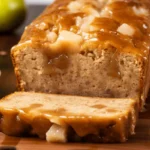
[(31, 10), (38, 1)]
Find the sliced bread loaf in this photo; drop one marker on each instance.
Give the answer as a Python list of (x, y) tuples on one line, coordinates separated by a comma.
[(87, 47), (61, 118)]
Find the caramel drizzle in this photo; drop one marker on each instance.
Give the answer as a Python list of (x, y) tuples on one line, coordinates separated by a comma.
[(57, 16)]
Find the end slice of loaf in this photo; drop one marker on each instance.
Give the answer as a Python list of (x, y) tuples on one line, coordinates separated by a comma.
[(61, 118)]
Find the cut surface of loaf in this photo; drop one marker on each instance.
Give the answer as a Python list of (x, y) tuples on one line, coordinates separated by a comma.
[(61, 118), (89, 48)]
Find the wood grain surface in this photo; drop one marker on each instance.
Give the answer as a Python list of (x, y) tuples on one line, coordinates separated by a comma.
[(140, 141)]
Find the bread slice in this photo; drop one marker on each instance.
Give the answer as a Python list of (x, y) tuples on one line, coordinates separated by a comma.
[(61, 118), (88, 48)]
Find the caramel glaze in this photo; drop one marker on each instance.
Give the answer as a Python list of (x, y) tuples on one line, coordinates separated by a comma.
[(36, 121), (58, 17)]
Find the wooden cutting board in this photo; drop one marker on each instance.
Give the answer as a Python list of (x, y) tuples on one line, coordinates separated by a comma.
[(140, 141)]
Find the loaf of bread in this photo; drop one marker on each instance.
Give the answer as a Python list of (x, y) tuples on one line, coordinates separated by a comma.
[(60, 118), (88, 48)]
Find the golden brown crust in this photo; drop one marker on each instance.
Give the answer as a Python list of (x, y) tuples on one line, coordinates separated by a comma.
[(16, 71)]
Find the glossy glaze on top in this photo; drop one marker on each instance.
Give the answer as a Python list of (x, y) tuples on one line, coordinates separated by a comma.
[(123, 24)]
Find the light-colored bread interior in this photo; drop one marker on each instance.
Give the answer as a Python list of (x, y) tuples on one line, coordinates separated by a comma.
[(86, 75)]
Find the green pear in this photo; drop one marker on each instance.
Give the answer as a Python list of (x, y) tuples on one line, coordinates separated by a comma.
[(12, 14)]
